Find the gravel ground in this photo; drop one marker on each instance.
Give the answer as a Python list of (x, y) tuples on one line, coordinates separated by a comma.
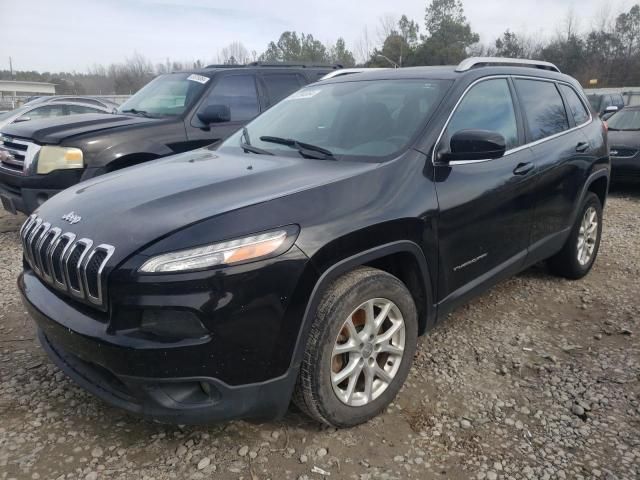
[(538, 379)]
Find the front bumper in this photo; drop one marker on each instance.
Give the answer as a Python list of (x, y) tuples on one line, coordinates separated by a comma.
[(191, 381), (25, 193)]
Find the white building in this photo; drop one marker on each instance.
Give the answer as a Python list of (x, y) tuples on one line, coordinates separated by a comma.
[(11, 90)]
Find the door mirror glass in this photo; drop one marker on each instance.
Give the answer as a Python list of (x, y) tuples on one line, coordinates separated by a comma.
[(24, 118), (215, 114), (475, 145)]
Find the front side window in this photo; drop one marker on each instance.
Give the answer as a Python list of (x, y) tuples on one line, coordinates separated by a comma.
[(487, 106), (543, 108), (354, 120), (577, 108), (75, 109), (280, 85), (166, 96), (238, 92)]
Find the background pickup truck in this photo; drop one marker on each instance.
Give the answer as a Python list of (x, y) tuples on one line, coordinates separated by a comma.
[(172, 114)]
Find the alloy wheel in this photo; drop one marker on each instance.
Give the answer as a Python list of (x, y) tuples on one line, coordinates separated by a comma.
[(368, 352), (587, 236)]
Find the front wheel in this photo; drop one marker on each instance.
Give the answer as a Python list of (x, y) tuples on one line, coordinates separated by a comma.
[(359, 350), (579, 253)]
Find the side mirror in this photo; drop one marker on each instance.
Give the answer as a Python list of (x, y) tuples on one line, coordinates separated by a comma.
[(475, 145), (22, 119), (611, 109), (215, 114)]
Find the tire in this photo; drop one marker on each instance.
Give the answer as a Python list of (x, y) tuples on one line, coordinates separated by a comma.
[(340, 322), (570, 262)]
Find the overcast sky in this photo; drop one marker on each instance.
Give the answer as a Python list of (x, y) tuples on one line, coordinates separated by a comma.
[(57, 35)]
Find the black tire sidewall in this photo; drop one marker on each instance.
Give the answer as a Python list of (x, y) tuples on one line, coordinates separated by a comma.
[(380, 285)]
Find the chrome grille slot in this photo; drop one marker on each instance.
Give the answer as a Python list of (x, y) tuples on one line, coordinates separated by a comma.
[(70, 265)]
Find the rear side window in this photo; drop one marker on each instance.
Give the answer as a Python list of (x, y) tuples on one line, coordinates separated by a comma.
[(579, 112), (543, 108), (82, 109), (487, 106), (238, 92), (280, 85)]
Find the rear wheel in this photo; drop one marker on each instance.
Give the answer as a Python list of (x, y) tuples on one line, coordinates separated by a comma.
[(359, 350), (579, 253)]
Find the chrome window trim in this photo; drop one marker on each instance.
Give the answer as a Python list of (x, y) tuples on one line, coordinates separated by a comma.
[(513, 150)]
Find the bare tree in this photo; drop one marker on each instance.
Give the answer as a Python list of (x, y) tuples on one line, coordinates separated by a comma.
[(387, 25), (364, 46), (235, 54)]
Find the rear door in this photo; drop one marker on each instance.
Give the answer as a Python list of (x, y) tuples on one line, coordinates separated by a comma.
[(486, 206), (560, 150), (238, 91)]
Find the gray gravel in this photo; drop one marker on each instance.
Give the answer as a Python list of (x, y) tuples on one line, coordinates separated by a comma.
[(537, 379)]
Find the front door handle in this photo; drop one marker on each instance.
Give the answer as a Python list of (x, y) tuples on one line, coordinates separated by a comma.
[(523, 168), (582, 147)]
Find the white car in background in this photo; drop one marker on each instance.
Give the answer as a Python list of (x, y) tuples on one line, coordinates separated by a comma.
[(55, 106)]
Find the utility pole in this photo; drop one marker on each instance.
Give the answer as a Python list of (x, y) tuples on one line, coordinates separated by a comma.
[(11, 68)]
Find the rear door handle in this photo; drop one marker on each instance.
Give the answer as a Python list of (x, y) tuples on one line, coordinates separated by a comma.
[(582, 147), (523, 168)]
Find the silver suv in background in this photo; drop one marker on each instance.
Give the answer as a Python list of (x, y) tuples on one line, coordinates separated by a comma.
[(55, 106)]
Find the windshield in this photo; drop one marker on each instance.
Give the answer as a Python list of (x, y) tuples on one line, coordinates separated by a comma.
[(625, 120), (594, 100), (167, 95), (358, 120)]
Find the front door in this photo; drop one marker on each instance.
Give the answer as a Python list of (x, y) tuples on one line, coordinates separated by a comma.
[(236, 91), (486, 206)]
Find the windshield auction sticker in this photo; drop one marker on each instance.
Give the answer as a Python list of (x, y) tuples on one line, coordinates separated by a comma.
[(305, 93), (198, 78)]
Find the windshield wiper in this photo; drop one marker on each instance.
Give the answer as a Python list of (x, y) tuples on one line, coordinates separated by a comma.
[(137, 112), (307, 150), (247, 147)]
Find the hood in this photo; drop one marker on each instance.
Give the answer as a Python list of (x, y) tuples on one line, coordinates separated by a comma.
[(135, 206), (52, 131), (624, 144), (620, 137)]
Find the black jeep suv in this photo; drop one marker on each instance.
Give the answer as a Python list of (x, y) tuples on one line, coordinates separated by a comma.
[(172, 114), (303, 258)]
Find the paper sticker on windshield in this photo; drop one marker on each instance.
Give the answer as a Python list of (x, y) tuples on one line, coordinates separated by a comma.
[(306, 93), (198, 78)]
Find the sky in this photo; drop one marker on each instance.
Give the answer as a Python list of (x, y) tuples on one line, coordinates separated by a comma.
[(68, 35)]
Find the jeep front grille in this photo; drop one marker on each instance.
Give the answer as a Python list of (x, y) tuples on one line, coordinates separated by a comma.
[(68, 264)]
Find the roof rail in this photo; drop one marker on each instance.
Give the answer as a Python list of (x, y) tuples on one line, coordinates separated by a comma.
[(472, 62), (224, 65), (298, 65)]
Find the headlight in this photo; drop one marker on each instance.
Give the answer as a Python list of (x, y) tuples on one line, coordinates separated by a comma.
[(58, 158), (254, 247)]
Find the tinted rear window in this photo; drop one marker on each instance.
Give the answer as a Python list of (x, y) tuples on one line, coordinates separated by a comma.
[(543, 108), (280, 85)]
